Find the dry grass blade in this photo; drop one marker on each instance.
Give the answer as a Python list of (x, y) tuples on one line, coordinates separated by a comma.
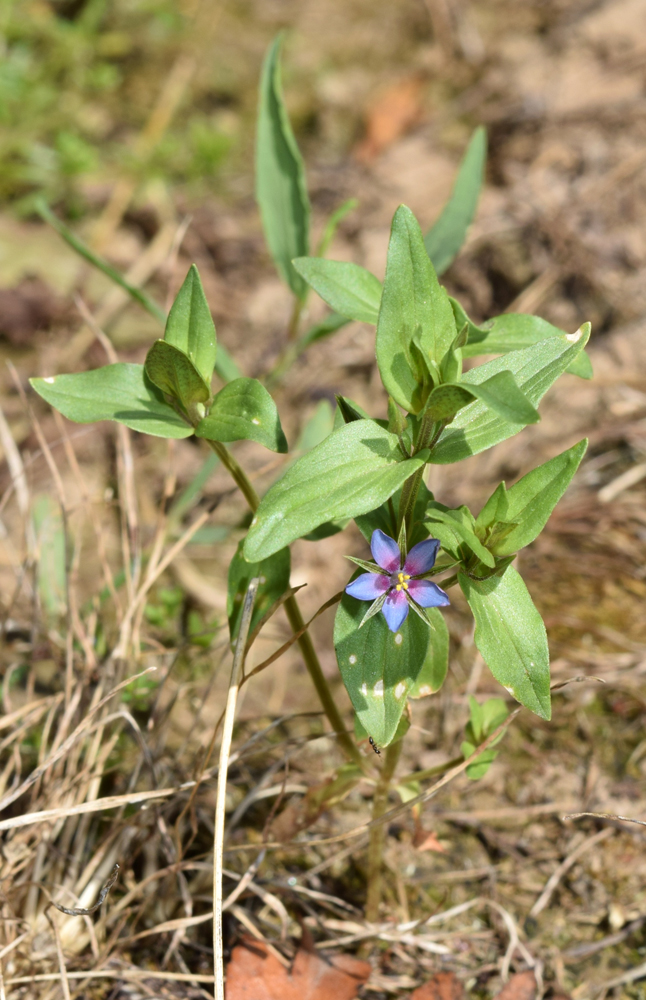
[(69, 742), (82, 911), (220, 808), (564, 867), (611, 816)]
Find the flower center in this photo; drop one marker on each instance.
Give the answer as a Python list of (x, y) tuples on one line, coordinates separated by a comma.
[(399, 580)]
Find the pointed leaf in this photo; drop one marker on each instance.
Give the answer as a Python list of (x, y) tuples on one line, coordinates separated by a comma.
[(244, 411), (444, 239), (174, 373), (328, 325), (535, 369), (511, 637), (494, 510), (532, 499), (447, 400), (413, 306), (121, 392), (354, 470), (458, 522), (378, 667), (436, 663), (190, 327), (502, 395), (281, 189), (347, 288), (273, 574), (514, 332)]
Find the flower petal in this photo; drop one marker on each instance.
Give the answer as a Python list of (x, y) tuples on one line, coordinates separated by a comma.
[(368, 586), (421, 557), (427, 594), (385, 551), (395, 609)]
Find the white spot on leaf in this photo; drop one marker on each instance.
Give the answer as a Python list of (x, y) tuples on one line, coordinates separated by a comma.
[(364, 689), (400, 689), (49, 380), (573, 337), (378, 689), (352, 659), (425, 689), (399, 639), (255, 421)]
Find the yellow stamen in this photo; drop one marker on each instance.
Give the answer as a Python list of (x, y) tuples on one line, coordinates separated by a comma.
[(398, 586)]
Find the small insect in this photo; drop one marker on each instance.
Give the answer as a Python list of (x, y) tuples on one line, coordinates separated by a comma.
[(373, 745)]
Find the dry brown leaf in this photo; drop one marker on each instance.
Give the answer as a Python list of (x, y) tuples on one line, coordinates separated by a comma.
[(522, 986), (426, 840), (255, 974), (396, 110), (443, 986)]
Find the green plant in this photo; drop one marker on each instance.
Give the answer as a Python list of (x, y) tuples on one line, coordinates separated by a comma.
[(364, 469)]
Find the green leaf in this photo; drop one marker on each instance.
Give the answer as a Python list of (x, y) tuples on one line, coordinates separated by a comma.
[(347, 411), (378, 667), (531, 500), (347, 288), (244, 411), (415, 314), (514, 332), (396, 419), (535, 369), (444, 239), (273, 574), (480, 767), (502, 395), (354, 470), (102, 265), (190, 327), (484, 720), (511, 637), (436, 663), (281, 189), (446, 400), (328, 325), (317, 428), (460, 522), (121, 392), (174, 373)]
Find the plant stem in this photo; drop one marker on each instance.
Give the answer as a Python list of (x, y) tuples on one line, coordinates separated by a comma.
[(318, 679), (430, 772), (292, 329), (295, 617), (223, 767), (238, 474), (378, 833)]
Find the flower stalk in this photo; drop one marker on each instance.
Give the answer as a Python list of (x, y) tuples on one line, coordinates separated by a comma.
[(295, 617)]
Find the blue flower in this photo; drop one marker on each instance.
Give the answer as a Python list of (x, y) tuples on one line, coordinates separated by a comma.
[(394, 587)]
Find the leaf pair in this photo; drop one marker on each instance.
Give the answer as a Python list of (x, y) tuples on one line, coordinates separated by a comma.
[(512, 519), (178, 368)]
